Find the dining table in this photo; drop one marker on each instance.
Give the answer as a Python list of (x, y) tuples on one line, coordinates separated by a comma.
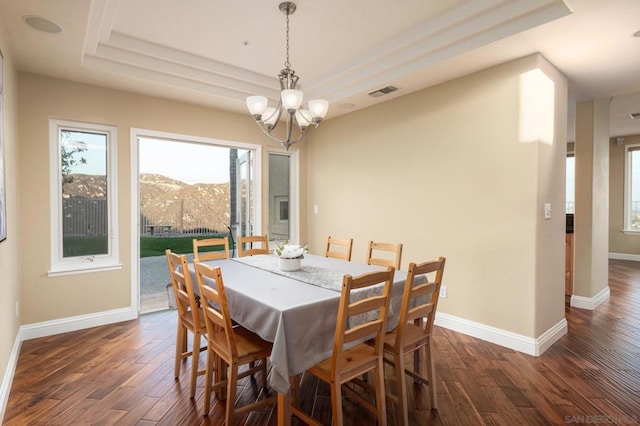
[(295, 310)]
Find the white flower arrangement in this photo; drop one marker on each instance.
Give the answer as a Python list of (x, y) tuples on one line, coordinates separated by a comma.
[(290, 251)]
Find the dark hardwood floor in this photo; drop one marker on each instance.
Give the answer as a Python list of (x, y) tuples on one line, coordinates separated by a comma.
[(123, 374)]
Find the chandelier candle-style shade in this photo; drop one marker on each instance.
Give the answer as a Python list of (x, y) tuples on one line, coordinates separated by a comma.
[(290, 102)]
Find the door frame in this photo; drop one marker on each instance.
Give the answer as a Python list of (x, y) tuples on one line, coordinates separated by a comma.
[(137, 133)]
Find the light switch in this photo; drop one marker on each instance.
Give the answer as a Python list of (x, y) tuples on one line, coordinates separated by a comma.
[(315, 209), (547, 211)]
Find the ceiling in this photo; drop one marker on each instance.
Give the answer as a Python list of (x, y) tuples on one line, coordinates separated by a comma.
[(215, 52)]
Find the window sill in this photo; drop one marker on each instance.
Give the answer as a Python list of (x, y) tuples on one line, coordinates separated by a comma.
[(83, 270), (629, 232)]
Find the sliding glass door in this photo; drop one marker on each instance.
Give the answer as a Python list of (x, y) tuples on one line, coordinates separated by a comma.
[(188, 188)]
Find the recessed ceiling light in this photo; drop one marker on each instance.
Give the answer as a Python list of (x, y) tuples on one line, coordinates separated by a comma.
[(42, 24)]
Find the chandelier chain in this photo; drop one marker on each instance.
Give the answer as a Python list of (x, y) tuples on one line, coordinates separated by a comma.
[(287, 64)]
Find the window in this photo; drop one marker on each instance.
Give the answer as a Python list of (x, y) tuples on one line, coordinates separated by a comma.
[(84, 231), (279, 191), (282, 203), (571, 180), (632, 189)]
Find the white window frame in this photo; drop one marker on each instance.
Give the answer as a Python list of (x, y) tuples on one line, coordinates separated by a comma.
[(82, 264), (571, 154), (627, 189)]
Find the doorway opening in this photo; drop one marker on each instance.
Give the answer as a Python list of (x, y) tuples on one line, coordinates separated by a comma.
[(187, 188)]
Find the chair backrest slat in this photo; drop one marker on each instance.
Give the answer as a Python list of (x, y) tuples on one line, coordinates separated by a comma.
[(362, 331), (366, 305), (211, 255), (345, 244), (246, 245), (392, 251)]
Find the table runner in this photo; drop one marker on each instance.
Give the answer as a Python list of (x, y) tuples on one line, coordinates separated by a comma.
[(325, 278)]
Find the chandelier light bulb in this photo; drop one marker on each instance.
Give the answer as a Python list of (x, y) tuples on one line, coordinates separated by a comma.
[(270, 117), (257, 106), (291, 100), (303, 117), (318, 109)]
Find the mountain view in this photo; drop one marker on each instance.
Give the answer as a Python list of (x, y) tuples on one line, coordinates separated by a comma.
[(85, 186), (163, 201), (166, 201)]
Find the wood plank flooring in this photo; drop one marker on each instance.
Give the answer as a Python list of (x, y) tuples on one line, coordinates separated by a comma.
[(123, 374)]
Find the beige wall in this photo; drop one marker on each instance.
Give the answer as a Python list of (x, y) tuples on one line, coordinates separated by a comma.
[(619, 242), (9, 248), (42, 98), (591, 240), (442, 171)]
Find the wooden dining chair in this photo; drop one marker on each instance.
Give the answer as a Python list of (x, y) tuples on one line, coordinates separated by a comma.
[(246, 245), (393, 250), (413, 333), (190, 317), (233, 346), (344, 248), (211, 255), (357, 321)]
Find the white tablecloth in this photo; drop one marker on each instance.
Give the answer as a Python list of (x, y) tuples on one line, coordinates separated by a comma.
[(299, 318)]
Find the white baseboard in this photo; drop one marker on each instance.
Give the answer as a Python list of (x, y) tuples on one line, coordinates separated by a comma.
[(625, 256), (5, 388), (510, 340), (80, 322), (590, 303)]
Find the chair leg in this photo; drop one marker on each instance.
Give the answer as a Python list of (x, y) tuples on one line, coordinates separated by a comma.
[(264, 372), (232, 383), (381, 405), (294, 388), (336, 403), (401, 384), (431, 374), (180, 340), (208, 378), (417, 366), (417, 362), (221, 374), (195, 359)]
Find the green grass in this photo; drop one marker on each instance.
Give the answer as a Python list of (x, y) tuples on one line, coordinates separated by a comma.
[(149, 246), (155, 246), (84, 246)]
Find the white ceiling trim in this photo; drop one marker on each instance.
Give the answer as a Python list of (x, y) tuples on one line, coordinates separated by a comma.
[(435, 41), (160, 77), (471, 25), (102, 16), (136, 45)]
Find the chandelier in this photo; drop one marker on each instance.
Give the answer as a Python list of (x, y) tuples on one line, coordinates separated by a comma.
[(299, 121)]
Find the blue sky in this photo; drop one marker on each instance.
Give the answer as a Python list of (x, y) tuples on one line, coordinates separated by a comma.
[(188, 162)]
